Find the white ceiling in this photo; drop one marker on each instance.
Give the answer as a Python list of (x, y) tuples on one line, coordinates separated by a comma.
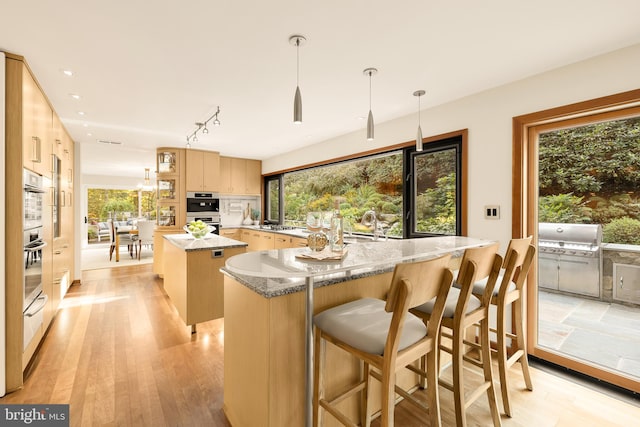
[(147, 71)]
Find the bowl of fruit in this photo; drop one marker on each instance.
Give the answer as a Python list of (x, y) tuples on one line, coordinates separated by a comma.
[(198, 229)]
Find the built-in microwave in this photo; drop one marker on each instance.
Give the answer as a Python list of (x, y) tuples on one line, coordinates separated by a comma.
[(198, 203)]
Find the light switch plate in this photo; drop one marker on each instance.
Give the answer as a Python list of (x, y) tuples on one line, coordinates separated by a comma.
[(492, 212)]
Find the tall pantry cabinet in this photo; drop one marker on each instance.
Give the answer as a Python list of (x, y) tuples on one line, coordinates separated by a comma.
[(36, 140)]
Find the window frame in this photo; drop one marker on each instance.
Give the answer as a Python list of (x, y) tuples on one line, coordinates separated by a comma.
[(409, 194), (461, 213)]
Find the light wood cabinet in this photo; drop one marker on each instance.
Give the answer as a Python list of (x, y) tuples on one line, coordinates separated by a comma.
[(266, 241), (158, 248), (171, 202), (195, 284), (33, 134), (240, 176), (253, 176), (231, 233), (36, 126), (202, 170)]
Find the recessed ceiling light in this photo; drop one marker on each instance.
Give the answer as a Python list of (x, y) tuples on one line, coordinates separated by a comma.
[(67, 72), (74, 95), (89, 134), (81, 113), (85, 125), (361, 118)]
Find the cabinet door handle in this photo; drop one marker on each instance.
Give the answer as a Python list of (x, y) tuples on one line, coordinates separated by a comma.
[(36, 150), (58, 252), (63, 198)]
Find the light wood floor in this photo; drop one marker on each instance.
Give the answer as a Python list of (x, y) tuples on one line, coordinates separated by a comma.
[(118, 353)]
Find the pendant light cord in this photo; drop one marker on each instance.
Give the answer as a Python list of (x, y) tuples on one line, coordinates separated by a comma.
[(298, 62), (370, 72)]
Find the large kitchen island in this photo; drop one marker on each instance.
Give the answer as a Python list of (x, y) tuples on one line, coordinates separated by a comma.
[(192, 277), (270, 298)]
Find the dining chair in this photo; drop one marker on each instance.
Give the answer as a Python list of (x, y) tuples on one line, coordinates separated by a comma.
[(385, 336), (517, 263), (463, 310), (124, 238), (145, 235)]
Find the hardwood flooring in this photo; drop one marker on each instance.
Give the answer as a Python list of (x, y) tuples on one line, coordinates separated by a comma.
[(118, 353)]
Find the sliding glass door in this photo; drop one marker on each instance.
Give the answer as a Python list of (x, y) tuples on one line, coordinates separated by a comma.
[(581, 171)]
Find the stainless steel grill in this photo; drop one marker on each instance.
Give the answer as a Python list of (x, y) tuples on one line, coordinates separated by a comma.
[(570, 257)]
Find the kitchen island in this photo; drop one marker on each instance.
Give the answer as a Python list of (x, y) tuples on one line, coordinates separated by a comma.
[(270, 298), (192, 277)]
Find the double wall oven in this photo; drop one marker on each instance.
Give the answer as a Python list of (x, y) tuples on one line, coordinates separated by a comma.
[(205, 207), (34, 299)]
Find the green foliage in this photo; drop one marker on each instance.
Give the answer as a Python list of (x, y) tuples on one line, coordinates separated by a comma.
[(601, 157), (92, 233), (563, 208), (622, 230), (605, 210), (116, 208), (436, 207)]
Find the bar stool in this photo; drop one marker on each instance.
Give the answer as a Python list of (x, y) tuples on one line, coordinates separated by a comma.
[(385, 336), (462, 311), (517, 263)]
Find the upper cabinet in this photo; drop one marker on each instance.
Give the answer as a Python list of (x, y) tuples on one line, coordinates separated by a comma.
[(36, 126), (202, 170), (240, 176)]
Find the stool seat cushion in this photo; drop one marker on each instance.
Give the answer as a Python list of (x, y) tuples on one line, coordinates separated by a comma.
[(450, 305), (364, 324)]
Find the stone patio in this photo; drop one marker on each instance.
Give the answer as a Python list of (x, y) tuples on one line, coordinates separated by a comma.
[(607, 334)]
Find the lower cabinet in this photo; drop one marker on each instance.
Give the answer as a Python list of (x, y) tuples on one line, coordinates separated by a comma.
[(158, 244), (194, 282)]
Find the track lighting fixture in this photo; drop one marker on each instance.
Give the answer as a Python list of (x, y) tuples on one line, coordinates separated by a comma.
[(370, 72), (202, 127), (297, 41), (419, 93)]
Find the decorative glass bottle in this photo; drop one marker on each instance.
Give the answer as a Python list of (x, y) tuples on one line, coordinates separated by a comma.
[(337, 241)]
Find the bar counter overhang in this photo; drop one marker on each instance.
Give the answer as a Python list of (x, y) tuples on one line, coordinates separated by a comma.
[(269, 303)]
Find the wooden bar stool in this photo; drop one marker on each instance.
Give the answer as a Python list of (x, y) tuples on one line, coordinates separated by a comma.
[(385, 336), (517, 263), (462, 311)]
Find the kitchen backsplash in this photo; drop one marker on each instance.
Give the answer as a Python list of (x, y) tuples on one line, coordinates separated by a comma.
[(233, 209)]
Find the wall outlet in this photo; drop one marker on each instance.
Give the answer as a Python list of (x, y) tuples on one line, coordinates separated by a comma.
[(492, 212)]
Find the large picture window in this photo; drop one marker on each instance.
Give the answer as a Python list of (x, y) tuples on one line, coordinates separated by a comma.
[(411, 194)]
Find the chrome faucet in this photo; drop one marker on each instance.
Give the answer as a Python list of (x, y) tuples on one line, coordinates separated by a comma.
[(370, 219)]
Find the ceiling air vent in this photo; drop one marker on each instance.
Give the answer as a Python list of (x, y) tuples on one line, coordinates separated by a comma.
[(102, 141)]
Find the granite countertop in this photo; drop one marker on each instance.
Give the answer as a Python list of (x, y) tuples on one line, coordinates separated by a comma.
[(211, 241), (295, 232), (279, 272)]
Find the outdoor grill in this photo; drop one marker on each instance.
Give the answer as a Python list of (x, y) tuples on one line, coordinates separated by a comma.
[(570, 258)]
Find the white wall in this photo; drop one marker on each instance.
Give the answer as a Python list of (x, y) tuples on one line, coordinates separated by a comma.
[(488, 116), (2, 225)]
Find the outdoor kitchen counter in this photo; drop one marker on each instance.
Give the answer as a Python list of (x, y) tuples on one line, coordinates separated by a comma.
[(270, 298)]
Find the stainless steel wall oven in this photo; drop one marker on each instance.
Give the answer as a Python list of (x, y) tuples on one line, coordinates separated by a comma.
[(204, 207), (34, 300)]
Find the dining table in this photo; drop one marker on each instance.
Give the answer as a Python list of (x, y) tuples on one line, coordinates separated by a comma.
[(276, 274), (119, 232)]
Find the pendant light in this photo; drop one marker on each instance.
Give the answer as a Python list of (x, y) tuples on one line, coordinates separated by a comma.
[(370, 128), (297, 41), (419, 93)]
